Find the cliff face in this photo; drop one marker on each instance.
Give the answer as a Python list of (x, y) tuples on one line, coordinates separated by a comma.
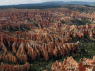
[(21, 54)]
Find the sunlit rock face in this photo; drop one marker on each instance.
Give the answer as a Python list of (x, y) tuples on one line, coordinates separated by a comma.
[(70, 64), (27, 48)]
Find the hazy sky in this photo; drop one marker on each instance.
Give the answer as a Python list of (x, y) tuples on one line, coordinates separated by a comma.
[(11, 2)]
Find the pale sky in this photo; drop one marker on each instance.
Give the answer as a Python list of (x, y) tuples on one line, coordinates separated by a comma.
[(12, 2)]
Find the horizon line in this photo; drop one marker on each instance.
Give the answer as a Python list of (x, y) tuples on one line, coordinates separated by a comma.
[(46, 1)]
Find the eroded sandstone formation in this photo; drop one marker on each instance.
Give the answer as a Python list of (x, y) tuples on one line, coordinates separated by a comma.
[(70, 64), (43, 17), (51, 41), (8, 67), (23, 48), (41, 34)]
